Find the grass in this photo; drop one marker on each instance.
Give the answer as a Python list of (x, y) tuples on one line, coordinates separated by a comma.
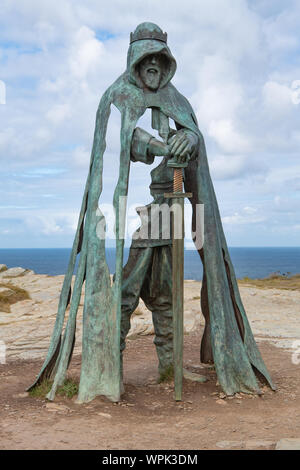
[(167, 375), (69, 389), (274, 281), (41, 390), (7, 300)]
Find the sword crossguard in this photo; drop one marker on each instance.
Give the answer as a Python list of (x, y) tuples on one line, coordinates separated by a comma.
[(174, 164)]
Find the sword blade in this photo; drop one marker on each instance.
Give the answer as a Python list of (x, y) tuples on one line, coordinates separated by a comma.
[(178, 290)]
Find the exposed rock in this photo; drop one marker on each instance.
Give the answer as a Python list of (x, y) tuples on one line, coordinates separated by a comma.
[(21, 395), (288, 444), (15, 272), (57, 407), (3, 268), (192, 320), (248, 445), (193, 377), (221, 402), (229, 444), (259, 444), (27, 329), (197, 366), (141, 323), (105, 415), (6, 292)]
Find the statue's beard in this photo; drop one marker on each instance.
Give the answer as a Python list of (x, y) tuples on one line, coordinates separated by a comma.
[(151, 77)]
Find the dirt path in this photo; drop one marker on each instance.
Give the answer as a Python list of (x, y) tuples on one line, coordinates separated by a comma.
[(147, 417)]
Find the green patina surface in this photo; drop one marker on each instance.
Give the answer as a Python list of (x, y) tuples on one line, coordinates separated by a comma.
[(228, 341)]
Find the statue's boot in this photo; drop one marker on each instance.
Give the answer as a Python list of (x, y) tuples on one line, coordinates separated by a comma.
[(121, 374), (163, 329), (125, 327)]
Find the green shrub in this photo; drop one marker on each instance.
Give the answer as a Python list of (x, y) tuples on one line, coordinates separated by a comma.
[(68, 389)]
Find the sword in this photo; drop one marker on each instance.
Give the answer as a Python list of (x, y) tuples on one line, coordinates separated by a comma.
[(178, 271), (161, 122)]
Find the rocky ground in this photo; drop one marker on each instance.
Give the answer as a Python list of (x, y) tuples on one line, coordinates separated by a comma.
[(147, 417)]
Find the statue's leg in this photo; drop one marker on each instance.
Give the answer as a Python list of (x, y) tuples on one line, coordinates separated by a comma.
[(206, 355), (158, 298), (162, 321), (134, 276)]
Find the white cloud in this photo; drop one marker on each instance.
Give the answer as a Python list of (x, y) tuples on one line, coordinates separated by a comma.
[(236, 63), (250, 210), (244, 218), (81, 156), (86, 52), (227, 137), (277, 98), (6, 136), (232, 166), (287, 205), (51, 223), (58, 113), (219, 92)]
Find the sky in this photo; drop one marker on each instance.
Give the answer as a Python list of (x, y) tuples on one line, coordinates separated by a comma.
[(238, 63)]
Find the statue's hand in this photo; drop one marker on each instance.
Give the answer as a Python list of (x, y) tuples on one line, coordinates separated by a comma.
[(182, 145), (158, 148)]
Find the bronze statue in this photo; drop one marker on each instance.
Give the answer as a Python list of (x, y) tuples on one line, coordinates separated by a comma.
[(227, 340)]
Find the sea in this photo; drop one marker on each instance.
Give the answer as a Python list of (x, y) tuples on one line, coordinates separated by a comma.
[(258, 262)]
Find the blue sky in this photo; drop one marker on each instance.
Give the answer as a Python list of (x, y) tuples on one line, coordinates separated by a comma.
[(238, 63)]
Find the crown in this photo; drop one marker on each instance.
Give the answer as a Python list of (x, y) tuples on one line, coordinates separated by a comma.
[(146, 34)]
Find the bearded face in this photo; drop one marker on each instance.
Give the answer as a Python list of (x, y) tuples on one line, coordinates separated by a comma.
[(150, 70)]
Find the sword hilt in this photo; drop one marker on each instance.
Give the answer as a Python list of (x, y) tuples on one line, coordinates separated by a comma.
[(178, 174), (177, 180)]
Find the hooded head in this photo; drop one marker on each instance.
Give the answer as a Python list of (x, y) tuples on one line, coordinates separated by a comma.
[(150, 63)]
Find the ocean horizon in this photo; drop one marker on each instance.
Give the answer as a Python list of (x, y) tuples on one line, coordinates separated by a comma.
[(252, 262)]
